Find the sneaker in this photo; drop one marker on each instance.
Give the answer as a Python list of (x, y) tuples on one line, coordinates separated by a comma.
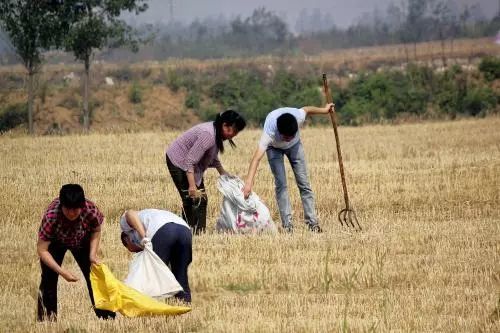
[(288, 229), (315, 228)]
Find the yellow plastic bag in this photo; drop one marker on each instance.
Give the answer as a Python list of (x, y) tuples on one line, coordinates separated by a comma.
[(113, 295)]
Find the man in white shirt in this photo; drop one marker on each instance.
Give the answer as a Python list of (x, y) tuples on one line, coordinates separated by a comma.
[(281, 137), (171, 239)]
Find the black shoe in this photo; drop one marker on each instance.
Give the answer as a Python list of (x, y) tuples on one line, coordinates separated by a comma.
[(315, 228), (288, 229)]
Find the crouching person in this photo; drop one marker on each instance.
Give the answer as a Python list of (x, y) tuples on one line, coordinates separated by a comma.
[(170, 236), (72, 223)]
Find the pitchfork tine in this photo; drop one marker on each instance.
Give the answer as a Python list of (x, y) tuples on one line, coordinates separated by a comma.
[(356, 219)]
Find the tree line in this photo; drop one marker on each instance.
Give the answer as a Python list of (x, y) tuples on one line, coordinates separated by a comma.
[(265, 32)]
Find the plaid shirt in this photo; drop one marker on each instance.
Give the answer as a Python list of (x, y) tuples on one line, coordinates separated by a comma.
[(56, 227), (195, 150)]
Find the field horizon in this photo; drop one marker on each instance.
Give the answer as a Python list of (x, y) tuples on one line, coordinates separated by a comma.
[(428, 258)]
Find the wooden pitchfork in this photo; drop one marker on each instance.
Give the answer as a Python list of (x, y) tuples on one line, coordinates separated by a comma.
[(347, 216)]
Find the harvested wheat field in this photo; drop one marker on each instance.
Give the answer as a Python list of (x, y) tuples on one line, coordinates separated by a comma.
[(428, 259)]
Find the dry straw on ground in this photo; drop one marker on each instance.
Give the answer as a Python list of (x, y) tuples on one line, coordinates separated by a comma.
[(428, 259)]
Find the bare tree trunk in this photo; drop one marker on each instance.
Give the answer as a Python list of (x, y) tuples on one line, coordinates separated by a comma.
[(451, 49), (443, 52), (31, 98), (86, 111)]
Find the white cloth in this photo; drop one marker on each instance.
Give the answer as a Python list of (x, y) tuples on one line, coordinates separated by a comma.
[(240, 215), (149, 275), (152, 220), (271, 136)]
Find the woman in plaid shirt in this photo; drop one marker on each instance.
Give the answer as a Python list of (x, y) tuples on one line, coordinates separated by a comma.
[(72, 223)]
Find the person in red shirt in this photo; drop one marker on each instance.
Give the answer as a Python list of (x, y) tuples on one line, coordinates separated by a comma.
[(72, 223)]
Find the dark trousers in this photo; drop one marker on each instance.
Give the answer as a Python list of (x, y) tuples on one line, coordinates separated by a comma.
[(173, 244), (194, 210), (47, 293)]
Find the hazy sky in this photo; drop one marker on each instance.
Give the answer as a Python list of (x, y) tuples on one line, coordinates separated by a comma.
[(342, 11)]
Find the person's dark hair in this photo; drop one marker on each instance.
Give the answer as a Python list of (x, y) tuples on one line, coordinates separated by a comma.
[(287, 124), (123, 237), (72, 196), (231, 118)]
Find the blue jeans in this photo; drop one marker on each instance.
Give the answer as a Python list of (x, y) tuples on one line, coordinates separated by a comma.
[(297, 159)]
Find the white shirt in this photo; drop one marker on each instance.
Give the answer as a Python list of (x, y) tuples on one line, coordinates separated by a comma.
[(271, 136), (152, 220)]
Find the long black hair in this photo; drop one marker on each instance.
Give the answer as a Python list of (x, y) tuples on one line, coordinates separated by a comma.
[(231, 118)]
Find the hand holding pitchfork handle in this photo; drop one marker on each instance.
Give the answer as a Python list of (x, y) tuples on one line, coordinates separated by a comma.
[(347, 216)]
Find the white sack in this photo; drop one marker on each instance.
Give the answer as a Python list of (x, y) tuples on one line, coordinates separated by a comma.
[(240, 215), (149, 275)]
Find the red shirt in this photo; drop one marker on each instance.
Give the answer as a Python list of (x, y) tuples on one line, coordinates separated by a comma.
[(56, 227)]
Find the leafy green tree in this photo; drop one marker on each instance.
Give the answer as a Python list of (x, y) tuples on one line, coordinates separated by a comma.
[(261, 32), (93, 25), (31, 26)]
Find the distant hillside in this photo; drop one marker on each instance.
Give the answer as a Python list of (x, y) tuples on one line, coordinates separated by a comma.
[(180, 92)]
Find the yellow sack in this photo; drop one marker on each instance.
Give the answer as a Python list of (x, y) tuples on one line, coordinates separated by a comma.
[(113, 295)]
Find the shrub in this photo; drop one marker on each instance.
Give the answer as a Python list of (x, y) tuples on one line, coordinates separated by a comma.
[(370, 97), (478, 100), (124, 73), (303, 97), (173, 80), (386, 95), (179, 78), (249, 92), (13, 116), (135, 93), (192, 100), (490, 67), (208, 113)]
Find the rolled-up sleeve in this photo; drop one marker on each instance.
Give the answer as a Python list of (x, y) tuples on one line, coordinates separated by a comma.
[(46, 231), (94, 217), (194, 155), (301, 117)]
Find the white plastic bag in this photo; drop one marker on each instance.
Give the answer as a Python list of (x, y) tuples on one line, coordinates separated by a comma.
[(149, 275), (240, 215)]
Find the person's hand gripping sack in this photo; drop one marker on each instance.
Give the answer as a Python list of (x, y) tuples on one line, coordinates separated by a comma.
[(146, 242)]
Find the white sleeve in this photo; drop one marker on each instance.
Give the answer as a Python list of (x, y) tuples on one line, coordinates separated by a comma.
[(265, 141), (124, 226), (301, 117)]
